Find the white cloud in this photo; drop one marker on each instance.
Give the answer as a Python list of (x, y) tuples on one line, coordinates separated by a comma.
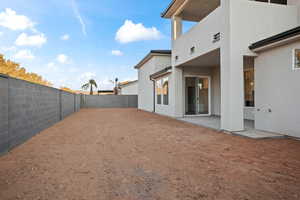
[(31, 40), (106, 83), (78, 16), (7, 49), (1, 33), (65, 37), (131, 32), (9, 19), (62, 58), (87, 76), (73, 69), (24, 55), (51, 64), (52, 67), (117, 53)]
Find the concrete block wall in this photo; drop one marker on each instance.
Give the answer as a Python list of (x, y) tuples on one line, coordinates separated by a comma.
[(132, 101), (32, 108), (27, 109), (4, 143), (67, 104), (77, 102), (110, 101)]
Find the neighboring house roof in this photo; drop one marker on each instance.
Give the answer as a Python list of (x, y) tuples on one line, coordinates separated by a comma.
[(151, 54), (85, 92), (160, 73), (105, 91), (161, 51), (276, 40), (126, 83), (95, 92)]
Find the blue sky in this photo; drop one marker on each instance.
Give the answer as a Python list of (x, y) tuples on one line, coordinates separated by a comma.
[(70, 41)]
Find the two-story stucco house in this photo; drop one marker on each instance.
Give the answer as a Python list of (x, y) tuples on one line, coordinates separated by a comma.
[(239, 62)]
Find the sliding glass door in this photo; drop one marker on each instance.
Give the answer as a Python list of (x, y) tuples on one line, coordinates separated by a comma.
[(197, 96)]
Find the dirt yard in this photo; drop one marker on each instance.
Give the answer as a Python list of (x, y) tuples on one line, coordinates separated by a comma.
[(125, 154)]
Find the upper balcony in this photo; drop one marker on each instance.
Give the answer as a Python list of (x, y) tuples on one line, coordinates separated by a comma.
[(262, 17), (202, 37)]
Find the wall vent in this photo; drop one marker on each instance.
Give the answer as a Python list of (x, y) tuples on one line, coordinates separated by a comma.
[(216, 37)]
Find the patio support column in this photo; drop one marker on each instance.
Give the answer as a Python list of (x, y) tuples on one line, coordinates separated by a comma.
[(177, 74), (232, 77), (176, 27), (178, 91), (298, 14)]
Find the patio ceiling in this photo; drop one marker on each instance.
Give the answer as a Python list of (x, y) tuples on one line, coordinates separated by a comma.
[(191, 10), (211, 59)]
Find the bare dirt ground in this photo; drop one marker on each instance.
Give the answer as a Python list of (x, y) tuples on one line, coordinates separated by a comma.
[(125, 154)]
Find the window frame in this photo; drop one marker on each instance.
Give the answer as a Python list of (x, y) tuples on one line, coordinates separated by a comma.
[(245, 70), (161, 99), (166, 78), (158, 82), (294, 59)]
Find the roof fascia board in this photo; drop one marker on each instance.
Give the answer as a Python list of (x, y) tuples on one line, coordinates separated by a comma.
[(276, 44), (181, 8), (148, 57), (174, 8), (126, 84), (161, 73), (276, 38)]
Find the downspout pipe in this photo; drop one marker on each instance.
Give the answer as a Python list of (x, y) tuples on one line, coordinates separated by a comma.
[(153, 94)]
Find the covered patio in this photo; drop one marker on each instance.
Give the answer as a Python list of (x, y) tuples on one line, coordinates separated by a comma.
[(201, 95)]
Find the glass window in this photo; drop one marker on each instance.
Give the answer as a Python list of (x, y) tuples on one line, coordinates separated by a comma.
[(249, 87), (158, 91), (284, 2), (262, 0), (297, 59), (166, 91)]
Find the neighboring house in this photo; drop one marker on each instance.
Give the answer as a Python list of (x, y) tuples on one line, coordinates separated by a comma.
[(85, 92), (128, 88), (99, 92), (215, 72), (105, 92)]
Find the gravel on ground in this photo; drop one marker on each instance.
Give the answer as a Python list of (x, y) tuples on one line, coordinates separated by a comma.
[(128, 154)]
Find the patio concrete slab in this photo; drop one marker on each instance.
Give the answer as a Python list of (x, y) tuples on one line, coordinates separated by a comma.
[(214, 122), (257, 134)]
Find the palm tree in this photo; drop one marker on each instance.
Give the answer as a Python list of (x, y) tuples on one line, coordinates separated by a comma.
[(90, 85), (116, 88)]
